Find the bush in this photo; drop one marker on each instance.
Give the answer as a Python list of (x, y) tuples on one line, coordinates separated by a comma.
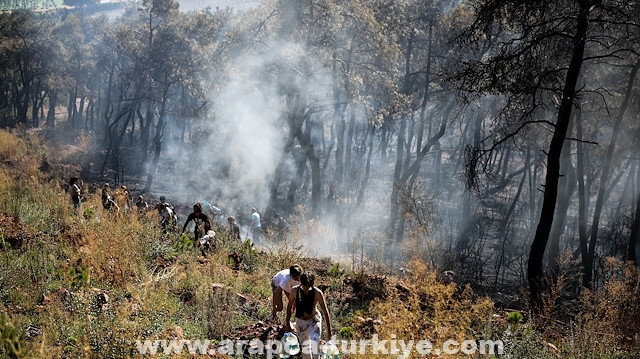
[(13, 343), (514, 317), (609, 321), (12, 148), (431, 309)]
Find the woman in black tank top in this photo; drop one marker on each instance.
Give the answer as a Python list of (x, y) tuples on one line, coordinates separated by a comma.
[(305, 302), (304, 298)]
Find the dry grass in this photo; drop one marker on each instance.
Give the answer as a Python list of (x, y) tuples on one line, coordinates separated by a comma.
[(12, 148), (113, 246), (94, 282), (430, 310), (609, 322)]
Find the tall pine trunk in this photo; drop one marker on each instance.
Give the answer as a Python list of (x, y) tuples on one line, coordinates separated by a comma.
[(587, 261), (157, 141), (535, 273)]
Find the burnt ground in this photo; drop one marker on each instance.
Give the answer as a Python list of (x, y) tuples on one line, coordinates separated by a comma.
[(14, 233), (350, 292)]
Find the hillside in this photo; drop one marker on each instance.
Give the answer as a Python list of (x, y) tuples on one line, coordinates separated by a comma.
[(96, 284)]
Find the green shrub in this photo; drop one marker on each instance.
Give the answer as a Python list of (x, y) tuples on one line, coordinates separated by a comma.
[(184, 244), (13, 342), (524, 342), (88, 213), (514, 317), (335, 270), (346, 332)]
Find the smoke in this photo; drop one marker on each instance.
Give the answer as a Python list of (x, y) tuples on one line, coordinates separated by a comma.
[(245, 134), (244, 139)]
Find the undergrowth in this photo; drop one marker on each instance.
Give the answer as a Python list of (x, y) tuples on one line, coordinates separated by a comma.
[(89, 284)]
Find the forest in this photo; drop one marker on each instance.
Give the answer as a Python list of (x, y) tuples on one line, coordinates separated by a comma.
[(494, 140)]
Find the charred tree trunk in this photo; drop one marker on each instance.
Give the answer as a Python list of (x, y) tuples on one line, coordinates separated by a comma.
[(80, 109), (71, 106), (157, 141), (51, 113), (349, 143), (587, 261), (397, 173), (340, 126), (583, 201), (22, 104), (108, 106), (301, 164), (112, 140), (367, 170), (425, 97), (468, 219), (566, 186), (277, 175), (145, 135), (35, 105), (535, 273), (635, 232), (504, 227), (401, 147), (314, 162)]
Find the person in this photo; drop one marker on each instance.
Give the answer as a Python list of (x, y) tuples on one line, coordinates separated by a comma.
[(123, 198), (74, 191), (303, 299), (282, 282), (141, 204), (211, 211), (107, 201), (234, 229), (280, 226), (256, 227), (198, 218), (168, 217), (207, 242)]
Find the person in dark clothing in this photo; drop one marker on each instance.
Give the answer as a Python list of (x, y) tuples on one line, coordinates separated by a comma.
[(280, 227), (234, 229), (141, 204), (303, 300), (168, 217), (107, 201), (199, 219), (74, 190)]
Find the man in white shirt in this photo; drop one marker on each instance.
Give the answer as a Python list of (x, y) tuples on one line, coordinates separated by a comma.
[(281, 283), (256, 227)]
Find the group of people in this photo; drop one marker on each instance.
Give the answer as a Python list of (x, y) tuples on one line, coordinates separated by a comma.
[(303, 298), (109, 202), (203, 215), (297, 286), (203, 233)]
